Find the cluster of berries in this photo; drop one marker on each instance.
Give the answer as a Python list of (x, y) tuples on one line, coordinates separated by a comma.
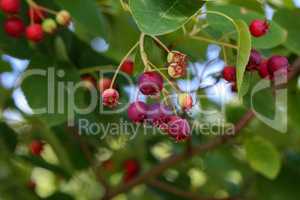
[(131, 169), (14, 26), (267, 68)]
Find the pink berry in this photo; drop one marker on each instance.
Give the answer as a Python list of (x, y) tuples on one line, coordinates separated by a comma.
[(150, 83), (278, 64), (36, 15), (104, 84), (259, 27), (137, 112), (110, 98), (185, 101), (128, 67), (10, 6), (178, 128), (35, 33), (229, 73), (263, 70), (158, 113), (254, 60), (36, 147), (14, 27)]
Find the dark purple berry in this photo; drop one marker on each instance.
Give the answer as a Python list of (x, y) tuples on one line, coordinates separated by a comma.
[(150, 83), (137, 112), (254, 60)]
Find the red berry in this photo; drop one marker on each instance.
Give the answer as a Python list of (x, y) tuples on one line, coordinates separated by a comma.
[(137, 112), (254, 60), (88, 81), (131, 169), (14, 27), (178, 128), (128, 67), (263, 70), (35, 33), (150, 83), (278, 64), (36, 147), (229, 73), (10, 6), (185, 101), (104, 84), (36, 14), (110, 98), (259, 27), (157, 114)]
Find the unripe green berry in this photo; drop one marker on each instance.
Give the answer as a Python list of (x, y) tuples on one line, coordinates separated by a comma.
[(49, 26), (63, 18)]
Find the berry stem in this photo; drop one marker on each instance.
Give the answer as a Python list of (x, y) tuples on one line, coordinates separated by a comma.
[(201, 38), (121, 63), (143, 52), (33, 4), (161, 44)]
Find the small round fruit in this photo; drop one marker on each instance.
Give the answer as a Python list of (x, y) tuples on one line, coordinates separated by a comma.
[(10, 6), (35, 33), (63, 18), (137, 112), (178, 128), (14, 27), (177, 57), (110, 98), (185, 101), (88, 81), (150, 83), (176, 71), (36, 15), (259, 27), (263, 70), (128, 67), (229, 73), (104, 84), (36, 147), (131, 169), (254, 60), (157, 114), (49, 26), (278, 64)]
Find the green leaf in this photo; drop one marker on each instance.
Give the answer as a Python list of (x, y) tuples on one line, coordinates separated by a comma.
[(286, 18), (4, 66), (244, 49), (263, 157), (87, 18), (158, 17), (8, 137)]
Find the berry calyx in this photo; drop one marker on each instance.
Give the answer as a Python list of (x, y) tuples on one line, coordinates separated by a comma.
[(263, 70), (36, 14), (36, 147), (278, 64), (176, 71), (158, 114), (10, 6), (128, 67), (31, 185), (110, 98), (185, 101), (63, 18), (137, 112), (104, 84), (177, 57), (178, 128), (229, 73), (35, 33), (150, 83), (49, 26), (14, 27), (254, 60), (259, 27), (89, 81)]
